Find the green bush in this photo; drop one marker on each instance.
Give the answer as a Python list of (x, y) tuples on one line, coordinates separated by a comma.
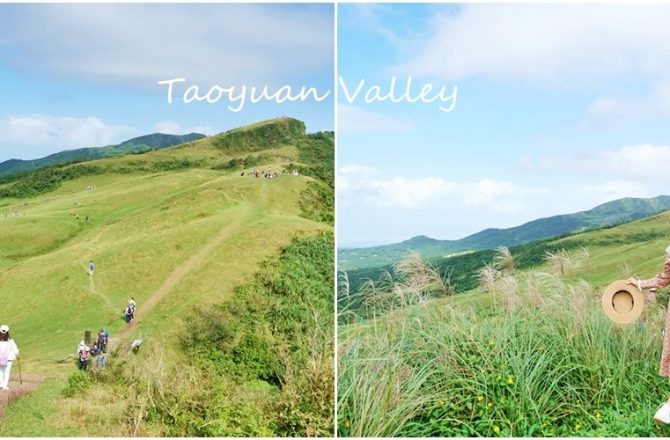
[(78, 382), (278, 329)]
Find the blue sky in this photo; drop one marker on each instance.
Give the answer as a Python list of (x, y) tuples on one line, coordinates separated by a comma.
[(560, 108), (86, 75)]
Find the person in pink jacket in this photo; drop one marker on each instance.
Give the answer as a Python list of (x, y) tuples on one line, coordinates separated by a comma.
[(9, 352), (659, 281)]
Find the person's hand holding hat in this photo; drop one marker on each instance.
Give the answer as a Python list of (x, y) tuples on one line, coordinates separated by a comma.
[(648, 297), (634, 282)]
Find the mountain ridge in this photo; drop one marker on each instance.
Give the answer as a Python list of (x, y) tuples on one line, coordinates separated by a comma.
[(139, 144), (606, 214)]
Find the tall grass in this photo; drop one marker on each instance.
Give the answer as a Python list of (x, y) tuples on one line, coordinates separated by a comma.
[(531, 354)]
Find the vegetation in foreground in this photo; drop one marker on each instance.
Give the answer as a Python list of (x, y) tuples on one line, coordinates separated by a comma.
[(531, 354)]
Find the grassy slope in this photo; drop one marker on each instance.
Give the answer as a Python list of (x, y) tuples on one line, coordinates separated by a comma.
[(144, 227)]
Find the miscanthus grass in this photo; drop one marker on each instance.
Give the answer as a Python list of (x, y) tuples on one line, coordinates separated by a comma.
[(530, 354)]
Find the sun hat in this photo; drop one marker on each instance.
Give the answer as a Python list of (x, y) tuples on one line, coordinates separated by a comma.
[(4, 328), (622, 302)]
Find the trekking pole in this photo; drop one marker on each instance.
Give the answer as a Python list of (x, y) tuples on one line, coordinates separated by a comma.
[(18, 360)]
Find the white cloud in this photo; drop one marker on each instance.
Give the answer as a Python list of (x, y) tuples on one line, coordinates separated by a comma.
[(352, 119), (139, 44), (41, 133), (366, 185), (613, 110), (404, 192), (374, 207), (615, 189), (172, 127), (546, 42), (645, 161)]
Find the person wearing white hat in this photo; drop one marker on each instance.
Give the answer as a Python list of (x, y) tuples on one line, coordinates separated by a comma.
[(83, 351), (8, 354), (659, 281)]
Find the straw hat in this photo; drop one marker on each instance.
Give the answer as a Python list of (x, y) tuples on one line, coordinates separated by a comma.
[(622, 302)]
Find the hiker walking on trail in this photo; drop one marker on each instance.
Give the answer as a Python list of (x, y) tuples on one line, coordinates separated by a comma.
[(129, 313), (131, 306), (91, 268), (659, 281), (103, 339), (9, 352), (100, 361), (83, 351)]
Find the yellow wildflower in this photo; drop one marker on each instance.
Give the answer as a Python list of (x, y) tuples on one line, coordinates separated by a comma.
[(347, 424), (480, 398), (442, 402), (578, 426), (496, 429), (598, 415), (490, 404), (510, 380), (492, 342)]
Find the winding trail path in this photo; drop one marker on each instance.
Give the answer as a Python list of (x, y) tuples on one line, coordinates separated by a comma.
[(195, 261)]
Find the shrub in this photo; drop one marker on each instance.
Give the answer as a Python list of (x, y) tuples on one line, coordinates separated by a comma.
[(78, 382)]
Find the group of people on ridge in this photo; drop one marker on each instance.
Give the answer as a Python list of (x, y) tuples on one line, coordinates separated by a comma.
[(97, 351)]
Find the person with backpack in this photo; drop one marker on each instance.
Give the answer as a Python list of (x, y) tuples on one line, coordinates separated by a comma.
[(100, 361), (95, 350), (128, 314), (9, 352), (103, 339), (91, 268), (131, 304), (83, 351)]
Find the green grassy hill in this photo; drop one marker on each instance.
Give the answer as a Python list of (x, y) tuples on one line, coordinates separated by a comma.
[(136, 145), (608, 214), (525, 350), (179, 229)]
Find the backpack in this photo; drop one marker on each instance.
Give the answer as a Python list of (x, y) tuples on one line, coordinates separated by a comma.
[(4, 354)]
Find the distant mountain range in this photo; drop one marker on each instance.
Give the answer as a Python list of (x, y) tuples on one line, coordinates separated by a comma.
[(140, 144), (607, 214)]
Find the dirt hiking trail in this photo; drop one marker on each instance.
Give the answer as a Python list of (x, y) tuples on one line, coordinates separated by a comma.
[(16, 390), (195, 261)]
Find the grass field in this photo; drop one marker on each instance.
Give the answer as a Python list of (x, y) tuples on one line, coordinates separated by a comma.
[(172, 239), (528, 353)]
